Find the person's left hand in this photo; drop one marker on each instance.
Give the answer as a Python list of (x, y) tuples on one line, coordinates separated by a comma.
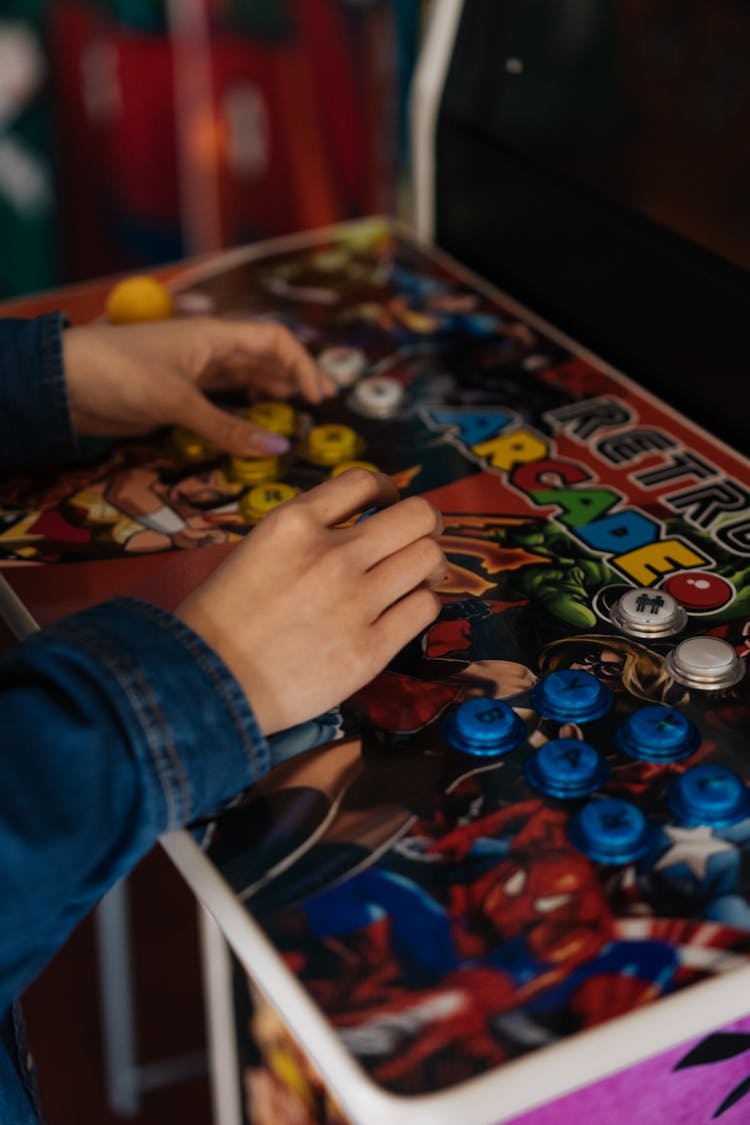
[(129, 379)]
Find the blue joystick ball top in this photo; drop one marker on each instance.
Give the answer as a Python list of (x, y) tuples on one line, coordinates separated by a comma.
[(566, 767), (570, 695), (657, 733), (709, 795), (484, 726), (611, 831)]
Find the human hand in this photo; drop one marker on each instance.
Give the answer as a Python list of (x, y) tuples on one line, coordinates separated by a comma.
[(128, 379), (305, 612)]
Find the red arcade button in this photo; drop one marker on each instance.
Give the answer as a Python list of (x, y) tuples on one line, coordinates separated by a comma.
[(699, 591)]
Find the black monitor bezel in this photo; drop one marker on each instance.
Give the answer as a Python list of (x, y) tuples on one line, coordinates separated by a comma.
[(659, 307)]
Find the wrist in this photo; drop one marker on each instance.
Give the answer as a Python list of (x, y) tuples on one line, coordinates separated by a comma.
[(193, 614)]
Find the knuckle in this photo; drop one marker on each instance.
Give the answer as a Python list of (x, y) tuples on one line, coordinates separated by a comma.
[(293, 520), (363, 479), (428, 604), (424, 515), (433, 556)]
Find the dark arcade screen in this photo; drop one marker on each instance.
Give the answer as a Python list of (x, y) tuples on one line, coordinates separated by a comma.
[(594, 160)]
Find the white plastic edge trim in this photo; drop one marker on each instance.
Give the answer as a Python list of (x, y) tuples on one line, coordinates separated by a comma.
[(219, 1005), (14, 612)]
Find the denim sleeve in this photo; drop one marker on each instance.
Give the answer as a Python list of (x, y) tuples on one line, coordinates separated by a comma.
[(117, 724), (35, 425)]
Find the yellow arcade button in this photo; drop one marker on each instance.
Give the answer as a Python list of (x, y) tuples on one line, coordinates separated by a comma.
[(190, 446), (337, 470), (264, 498), (331, 444), (254, 470), (277, 417), (138, 298)]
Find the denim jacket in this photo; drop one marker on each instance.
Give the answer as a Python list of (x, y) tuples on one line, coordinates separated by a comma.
[(117, 724)]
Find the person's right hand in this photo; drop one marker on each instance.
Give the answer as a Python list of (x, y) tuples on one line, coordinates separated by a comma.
[(305, 612)]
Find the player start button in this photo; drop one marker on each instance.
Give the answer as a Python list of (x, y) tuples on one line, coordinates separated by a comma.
[(648, 613)]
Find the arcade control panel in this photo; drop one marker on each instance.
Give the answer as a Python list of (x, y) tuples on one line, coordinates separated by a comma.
[(536, 819)]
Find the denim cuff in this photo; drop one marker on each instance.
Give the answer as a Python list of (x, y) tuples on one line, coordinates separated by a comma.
[(35, 425), (186, 717)]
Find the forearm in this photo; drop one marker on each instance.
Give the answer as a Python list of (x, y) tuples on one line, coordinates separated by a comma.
[(118, 724)]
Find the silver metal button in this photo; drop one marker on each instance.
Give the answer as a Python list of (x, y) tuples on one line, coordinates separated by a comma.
[(343, 364), (705, 663), (648, 613), (379, 396)]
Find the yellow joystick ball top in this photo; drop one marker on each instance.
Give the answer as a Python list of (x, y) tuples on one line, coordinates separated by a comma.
[(138, 298)]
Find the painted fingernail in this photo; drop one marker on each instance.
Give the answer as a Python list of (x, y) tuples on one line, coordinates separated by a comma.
[(271, 443)]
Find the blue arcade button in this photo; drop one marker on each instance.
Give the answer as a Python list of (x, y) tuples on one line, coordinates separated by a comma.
[(709, 795), (566, 767), (611, 831), (484, 727), (658, 734), (570, 695)]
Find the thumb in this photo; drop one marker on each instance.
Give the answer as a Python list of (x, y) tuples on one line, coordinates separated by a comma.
[(227, 431)]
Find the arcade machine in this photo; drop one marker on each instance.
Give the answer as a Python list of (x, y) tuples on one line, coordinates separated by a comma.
[(509, 877)]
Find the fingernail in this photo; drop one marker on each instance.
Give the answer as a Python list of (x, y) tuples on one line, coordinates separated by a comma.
[(271, 443)]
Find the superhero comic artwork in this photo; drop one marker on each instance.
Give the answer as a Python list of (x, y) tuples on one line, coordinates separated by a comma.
[(536, 819)]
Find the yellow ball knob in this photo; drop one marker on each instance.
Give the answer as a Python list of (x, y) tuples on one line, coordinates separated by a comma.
[(138, 298)]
